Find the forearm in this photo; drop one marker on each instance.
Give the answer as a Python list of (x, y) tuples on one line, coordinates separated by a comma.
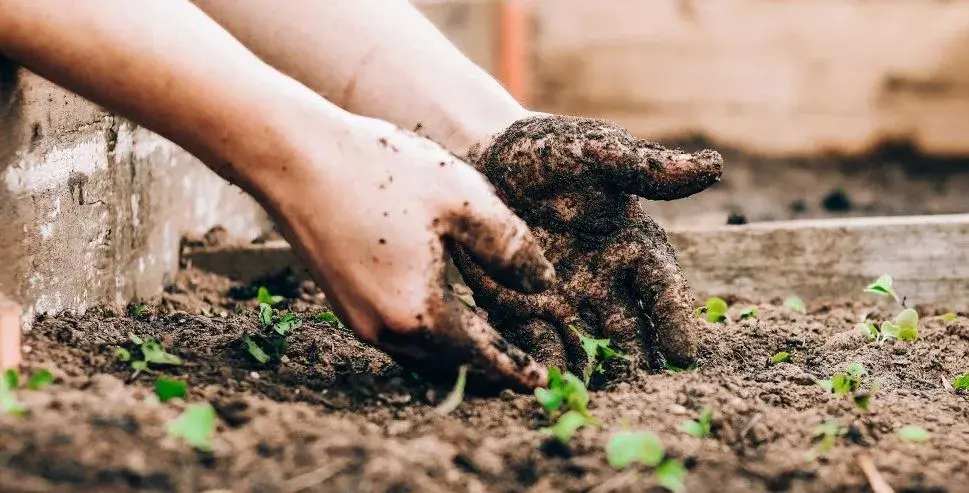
[(379, 58), (193, 83)]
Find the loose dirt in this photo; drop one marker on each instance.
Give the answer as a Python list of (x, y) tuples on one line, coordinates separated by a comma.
[(338, 415)]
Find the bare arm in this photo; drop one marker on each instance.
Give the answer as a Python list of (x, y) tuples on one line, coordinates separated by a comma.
[(378, 58)]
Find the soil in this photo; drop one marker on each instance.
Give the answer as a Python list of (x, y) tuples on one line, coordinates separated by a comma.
[(338, 415)]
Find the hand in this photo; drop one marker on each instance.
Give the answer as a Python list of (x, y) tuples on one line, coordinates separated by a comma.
[(372, 214), (575, 182)]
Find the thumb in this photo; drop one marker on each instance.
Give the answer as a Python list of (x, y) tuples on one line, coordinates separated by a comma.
[(658, 173), (497, 239)]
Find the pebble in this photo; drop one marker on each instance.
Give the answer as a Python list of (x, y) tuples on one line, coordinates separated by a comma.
[(254, 375)]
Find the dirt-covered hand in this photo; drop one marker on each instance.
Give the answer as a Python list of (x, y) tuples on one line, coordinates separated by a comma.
[(575, 181), (373, 213)]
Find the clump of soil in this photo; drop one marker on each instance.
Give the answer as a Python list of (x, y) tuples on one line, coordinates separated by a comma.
[(338, 415)]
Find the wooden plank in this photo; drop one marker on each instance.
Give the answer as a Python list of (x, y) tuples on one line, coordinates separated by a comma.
[(10, 332), (927, 255)]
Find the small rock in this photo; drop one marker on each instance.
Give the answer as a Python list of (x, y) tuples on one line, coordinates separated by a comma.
[(507, 395), (677, 410), (254, 375)]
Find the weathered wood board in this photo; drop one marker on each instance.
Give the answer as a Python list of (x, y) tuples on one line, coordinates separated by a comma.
[(927, 255)]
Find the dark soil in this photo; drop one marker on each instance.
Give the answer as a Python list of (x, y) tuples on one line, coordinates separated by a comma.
[(337, 415)]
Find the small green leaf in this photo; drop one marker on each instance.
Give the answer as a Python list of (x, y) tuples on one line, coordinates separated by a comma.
[(913, 434), (456, 396), (670, 475), (567, 425), (122, 354), (195, 426), (948, 318), (829, 431), (154, 353), (576, 395), (676, 369), (254, 350), (890, 330), (139, 365), (867, 329), (264, 296), (8, 399), (597, 351), (827, 385), (265, 314), (882, 286), (11, 378), (330, 318), (715, 310), (780, 357), (137, 310), (40, 379), (795, 304), (701, 427), (135, 339), (169, 388), (287, 322), (627, 447), (749, 312), (961, 382), (908, 324), (856, 369), (549, 399)]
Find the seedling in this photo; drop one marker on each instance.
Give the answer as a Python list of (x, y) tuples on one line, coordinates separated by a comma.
[(195, 426), (913, 434), (597, 352), (780, 357), (948, 318), (904, 328), (749, 312), (330, 318), (167, 389), (883, 287), (137, 310), (456, 396), (714, 311), (10, 382), (829, 431), (795, 304), (699, 428), (626, 448), (265, 297), (570, 391), (273, 345), (961, 382), (152, 352), (849, 384)]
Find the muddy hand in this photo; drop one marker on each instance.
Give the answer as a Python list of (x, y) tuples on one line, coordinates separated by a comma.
[(575, 182), (373, 217)]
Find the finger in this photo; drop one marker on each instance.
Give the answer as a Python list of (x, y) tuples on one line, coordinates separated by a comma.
[(541, 340), (456, 337), (498, 239), (626, 330), (668, 174), (668, 301)]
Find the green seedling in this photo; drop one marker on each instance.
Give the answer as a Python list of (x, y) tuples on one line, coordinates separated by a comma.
[(456, 396), (868, 329), (597, 352), (255, 350), (714, 311), (288, 321), (329, 318), (749, 312), (168, 388), (137, 310), (828, 432), (152, 352), (849, 384), (40, 379), (905, 327), (699, 428), (8, 398), (195, 426), (265, 297), (677, 369), (266, 314), (566, 390), (567, 424), (883, 287), (948, 318), (795, 304), (913, 434), (626, 448), (780, 357), (961, 382)]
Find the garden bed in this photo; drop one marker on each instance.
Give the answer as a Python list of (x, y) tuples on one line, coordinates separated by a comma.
[(338, 415)]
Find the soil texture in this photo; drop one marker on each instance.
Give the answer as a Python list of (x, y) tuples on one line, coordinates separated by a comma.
[(338, 415)]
